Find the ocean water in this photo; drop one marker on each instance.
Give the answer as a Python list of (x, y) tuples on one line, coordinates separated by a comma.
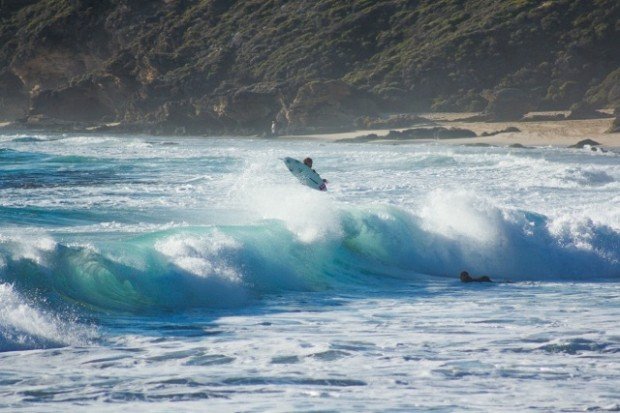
[(185, 274)]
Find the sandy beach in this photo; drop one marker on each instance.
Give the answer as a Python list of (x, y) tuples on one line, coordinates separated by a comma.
[(539, 133)]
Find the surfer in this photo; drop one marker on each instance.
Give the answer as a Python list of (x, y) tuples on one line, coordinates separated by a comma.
[(308, 163), (466, 278)]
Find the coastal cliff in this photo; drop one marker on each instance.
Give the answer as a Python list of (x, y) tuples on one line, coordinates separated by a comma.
[(225, 66)]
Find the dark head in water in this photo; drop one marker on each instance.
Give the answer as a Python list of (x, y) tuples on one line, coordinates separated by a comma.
[(466, 278), (308, 162)]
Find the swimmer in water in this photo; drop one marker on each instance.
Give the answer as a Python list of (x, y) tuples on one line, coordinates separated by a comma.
[(466, 278)]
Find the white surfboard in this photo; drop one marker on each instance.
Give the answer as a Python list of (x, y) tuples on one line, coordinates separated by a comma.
[(306, 175)]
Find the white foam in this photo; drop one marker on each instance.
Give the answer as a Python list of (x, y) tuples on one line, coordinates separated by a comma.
[(33, 246), (23, 326), (582, 233), (204, 256), (461, 215), (310, 214)]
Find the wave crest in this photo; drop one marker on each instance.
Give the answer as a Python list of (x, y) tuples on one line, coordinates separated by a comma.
[(224, 266)]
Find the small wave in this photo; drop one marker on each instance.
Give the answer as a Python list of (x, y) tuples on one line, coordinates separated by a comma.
[(7, 154), (578, 346), (23, 326), (587, 177), (26, 139), (88, 140)]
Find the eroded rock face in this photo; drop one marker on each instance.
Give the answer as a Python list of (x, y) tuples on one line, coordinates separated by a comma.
[(607, 93), (584, 110), (253, 108), (13, 98), (327, 106), (42, 69), (508, 105), (94, 99)]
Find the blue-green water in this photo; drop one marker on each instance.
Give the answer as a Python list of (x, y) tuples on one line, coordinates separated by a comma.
[(191, 274)]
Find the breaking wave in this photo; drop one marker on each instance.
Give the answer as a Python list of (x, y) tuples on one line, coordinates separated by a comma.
[(25, 325), (228, 266)]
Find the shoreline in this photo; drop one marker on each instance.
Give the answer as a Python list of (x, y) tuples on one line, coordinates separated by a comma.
[(560, 133), (554, 133)]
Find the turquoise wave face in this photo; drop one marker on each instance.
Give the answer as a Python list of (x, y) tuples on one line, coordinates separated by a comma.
[(230, 266)]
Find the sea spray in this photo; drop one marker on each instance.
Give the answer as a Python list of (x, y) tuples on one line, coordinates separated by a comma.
[(31, 324), (227, 266)]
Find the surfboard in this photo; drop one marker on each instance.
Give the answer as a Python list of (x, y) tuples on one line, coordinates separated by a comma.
[(306, 176)]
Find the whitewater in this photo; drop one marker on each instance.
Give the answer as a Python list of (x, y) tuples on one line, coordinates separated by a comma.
[(191, 274)]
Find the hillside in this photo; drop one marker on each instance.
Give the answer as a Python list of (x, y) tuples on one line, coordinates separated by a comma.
[(213, 66)]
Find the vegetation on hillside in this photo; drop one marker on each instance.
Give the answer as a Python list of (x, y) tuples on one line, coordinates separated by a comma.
[(223, 64)]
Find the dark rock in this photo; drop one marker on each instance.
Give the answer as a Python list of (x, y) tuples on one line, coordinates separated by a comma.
[(46, 123), (363, 138), (394, 121), (519, 146), (584, 110), (507, 105), (583, 143), (419, 133), (480, 145), (325, 106), (254, 107), (90, 100), (544, 118), (432, 133), (13, 98), (180, 118), (509, 129), (14, 5)]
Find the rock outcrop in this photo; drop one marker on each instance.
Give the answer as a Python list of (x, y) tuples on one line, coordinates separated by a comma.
[(326, 106), (403, 120), (584, 110), (583, 143), (510, 129), (89, 100), (251, 108), (14, 100), (219, 66), (418, 133), (507, 105)]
